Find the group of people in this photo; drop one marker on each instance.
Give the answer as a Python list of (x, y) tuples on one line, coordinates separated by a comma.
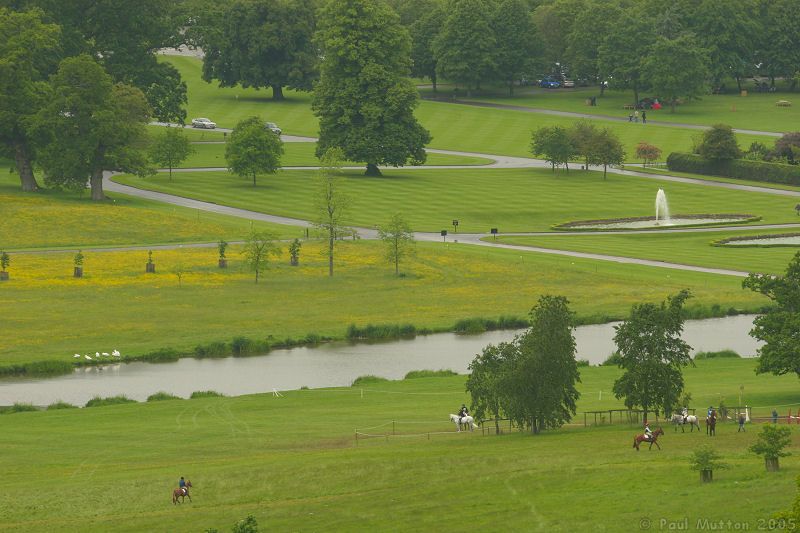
[(634, 117)]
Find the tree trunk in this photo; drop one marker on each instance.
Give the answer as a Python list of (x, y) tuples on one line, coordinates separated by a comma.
[(605, 168), (396, 264), (24, 168), (96, 182), (602, 88), (739, 84), (277, 92), (635, 95), (372, 170), (706, 476), (331, 237), (511, 88), (254, 179), (771, 464), (170, 173), (433, 81), (672, 105)]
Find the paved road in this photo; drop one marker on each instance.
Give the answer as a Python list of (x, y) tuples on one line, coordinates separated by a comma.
[(573, 114)]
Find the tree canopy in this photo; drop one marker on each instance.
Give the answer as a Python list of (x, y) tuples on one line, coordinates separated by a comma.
[(364, 101), (779, 327), (651, 355), (253, 149), (263, 43)]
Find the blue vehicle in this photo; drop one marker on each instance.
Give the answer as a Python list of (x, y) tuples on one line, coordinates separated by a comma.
[(549, 83)]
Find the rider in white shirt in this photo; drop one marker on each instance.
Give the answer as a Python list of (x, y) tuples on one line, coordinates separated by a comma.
[(648, 433)]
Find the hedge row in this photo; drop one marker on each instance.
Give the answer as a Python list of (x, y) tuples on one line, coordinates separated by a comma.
[(736, 168)]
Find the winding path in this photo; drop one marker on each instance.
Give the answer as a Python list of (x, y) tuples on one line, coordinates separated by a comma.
[(472, 239)]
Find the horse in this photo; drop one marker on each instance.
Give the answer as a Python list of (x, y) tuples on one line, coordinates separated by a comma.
[(182, 493), (638, 439), (711, 424), (677, 419), (468, 420)]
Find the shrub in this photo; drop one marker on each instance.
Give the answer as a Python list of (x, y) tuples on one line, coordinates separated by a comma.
[(480, 324), (18, 408), (722, 354), (206, 394), (414, 374), (705, 460), (61, 405), (583, 362), (771, 442), (37, 368), (719, 143), (738, 168), (384, 331), (213, 349), (164, 355), (162, 396), (612, 360), (241, 346), (368, 380), (248, 525), (97, 401)]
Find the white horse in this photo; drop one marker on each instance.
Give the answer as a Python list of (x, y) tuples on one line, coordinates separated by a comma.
[(468, 420), (677, 419)]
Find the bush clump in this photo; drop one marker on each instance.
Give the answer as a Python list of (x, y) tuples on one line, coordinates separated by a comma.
[(206, 394), (722, 354), (18, 408), (162, 396), (382, 331), (213, 349), (61, 405), (612, 360), (368, 380), (736, 168), (164, 355), (97, 401), (414, 374), (480, 324)]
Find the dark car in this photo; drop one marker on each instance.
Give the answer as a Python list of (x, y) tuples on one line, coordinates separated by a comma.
[(549, 83)]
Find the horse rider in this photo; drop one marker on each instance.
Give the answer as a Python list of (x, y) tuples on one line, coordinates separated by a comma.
[(648, 433), (182, 485), (462, 412), (710, 410), (685, 413)]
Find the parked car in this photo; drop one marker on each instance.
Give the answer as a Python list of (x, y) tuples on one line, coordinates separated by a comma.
[(549, 83), (203, 123), (271, 126)]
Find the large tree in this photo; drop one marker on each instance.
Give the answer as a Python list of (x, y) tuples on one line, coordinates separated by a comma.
[(263, 43), (170, 148), (29, 52), (364, 100), (676, 69), (779, 327), (606, 149), (423, 32), (652, 354), (253, 149), (539, 383), (465, 46), (91, 125), (485, 378), (516, 41), (125, 37), (621, 50)]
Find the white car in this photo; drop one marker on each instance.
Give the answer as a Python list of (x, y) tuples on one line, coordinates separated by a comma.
[(271, 126), (203, 123)]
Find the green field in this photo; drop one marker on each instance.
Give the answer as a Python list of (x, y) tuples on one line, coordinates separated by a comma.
[(756, 111), (453, 126), (302, 154), (292, 463), (688, 249), (51, 219), (138, 313), (511, 200)]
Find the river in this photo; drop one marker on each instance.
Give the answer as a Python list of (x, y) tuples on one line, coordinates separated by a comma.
[(331, 365)]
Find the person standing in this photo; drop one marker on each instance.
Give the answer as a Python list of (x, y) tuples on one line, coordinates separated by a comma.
[(741, 422), (644, 117), (636, 116), (774, 416)]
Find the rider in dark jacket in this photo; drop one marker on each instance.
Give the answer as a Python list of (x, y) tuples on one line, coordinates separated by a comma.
[(463, 412)]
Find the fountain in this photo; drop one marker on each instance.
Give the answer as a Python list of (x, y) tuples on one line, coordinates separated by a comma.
[(662, 208)]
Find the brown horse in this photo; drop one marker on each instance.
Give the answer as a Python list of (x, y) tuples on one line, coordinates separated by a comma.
[(711, 424), (182, 493), (638, 439)]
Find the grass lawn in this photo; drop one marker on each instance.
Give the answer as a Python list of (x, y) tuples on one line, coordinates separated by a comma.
[(139, 313), (688, 248), (292, 463), (302, 154), (756, 111), (453, 126), (53, 219), (511, 200)]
